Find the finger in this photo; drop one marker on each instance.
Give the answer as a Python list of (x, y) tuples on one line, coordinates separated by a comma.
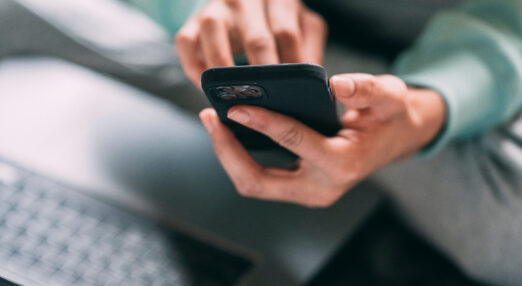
[(350, 115), (233, 156), (287, 132), (283, 17), (259, 45), (214, 39), (299, 187), (189, 51), (314, 33), (249, 178), (355, 90), (278, 185), (358, 119), (252, 180)]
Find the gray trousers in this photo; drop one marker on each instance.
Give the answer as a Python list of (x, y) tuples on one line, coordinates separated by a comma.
[(467, 200)]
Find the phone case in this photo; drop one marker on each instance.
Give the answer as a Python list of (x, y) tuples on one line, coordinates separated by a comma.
[(300, 91)]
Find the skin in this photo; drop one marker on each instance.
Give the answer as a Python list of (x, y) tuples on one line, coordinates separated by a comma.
[(267, 31), (384, 121)]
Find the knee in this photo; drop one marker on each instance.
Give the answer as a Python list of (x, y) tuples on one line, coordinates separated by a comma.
[(493, 257)]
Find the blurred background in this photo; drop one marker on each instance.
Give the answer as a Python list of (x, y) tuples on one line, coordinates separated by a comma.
[(92, 95)]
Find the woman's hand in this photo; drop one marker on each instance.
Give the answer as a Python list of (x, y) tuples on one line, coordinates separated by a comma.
[(267, 31), (384, 121)]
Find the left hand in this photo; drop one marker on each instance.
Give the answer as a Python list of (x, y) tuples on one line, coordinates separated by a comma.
[(384, 120)]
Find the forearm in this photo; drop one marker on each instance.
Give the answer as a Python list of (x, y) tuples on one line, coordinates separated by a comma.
[(428, 115), (473, 57)]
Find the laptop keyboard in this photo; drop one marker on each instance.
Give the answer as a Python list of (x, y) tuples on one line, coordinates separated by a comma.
[(51, 235)]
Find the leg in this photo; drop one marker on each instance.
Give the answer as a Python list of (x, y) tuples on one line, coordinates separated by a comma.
[(94, 132), (468, 202), (143, 57)]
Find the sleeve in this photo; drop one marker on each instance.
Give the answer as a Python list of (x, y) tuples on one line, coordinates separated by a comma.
[(169, 14), (472, 56)]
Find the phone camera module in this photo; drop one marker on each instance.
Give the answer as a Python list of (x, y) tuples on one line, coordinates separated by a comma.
[(227, 96), (251, 91), (233, 92), (225, 93)]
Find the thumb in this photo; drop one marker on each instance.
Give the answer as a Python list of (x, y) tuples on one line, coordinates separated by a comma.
[(355, 90)]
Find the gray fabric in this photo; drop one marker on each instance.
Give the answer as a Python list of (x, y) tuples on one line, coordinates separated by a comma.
[(123, 145), (468, 202), (104, 35)]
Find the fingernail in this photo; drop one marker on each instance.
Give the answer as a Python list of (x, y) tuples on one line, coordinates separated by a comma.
[(343, 86), (239, 115), (207, 122)]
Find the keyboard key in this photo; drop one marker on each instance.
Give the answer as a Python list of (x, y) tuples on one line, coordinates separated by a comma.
[(9, 176), (57, 236)]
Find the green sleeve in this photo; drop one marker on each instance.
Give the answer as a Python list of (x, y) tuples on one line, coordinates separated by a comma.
[(473, 56), (171, 14)]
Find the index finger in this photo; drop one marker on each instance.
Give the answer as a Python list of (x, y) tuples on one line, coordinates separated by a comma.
[(214, 37), (287, 132), (189, 50), (250, 178), (258, 42), (314, 31), (283, 16)]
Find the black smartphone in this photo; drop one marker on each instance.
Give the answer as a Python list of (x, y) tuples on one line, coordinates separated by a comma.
[(301, 91)]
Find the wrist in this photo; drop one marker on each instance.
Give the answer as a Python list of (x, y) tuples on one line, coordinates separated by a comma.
[(423, 120), (427, 116)]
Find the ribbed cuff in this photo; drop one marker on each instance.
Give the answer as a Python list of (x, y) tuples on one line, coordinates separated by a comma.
[(466, 84)]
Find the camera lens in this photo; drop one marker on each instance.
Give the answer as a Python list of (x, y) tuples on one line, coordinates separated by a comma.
[(250, 91), (227, 95), (230, 89), (238, 92)]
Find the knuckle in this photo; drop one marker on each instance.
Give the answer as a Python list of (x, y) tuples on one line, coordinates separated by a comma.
[(292, 137), (249, 188), (367, 85), (233, 4), (371, 82), (394, 84), (183, 38), (287, 35), (218, 57), (317, 21), (258, 43), (209, 20)]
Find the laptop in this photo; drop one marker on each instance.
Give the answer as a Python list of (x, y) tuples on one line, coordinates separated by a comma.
[(51, 234), (116, 146)]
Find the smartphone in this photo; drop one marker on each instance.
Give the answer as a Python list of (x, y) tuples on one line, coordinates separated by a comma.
[(300, 91)]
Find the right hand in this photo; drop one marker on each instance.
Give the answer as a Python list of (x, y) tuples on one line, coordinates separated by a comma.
[(267, 31), (385, 120)]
